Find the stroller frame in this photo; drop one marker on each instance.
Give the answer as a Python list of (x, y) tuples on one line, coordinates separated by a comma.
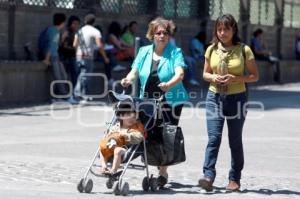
[(119, 187)]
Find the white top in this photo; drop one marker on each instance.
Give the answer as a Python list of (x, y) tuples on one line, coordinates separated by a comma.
[(156, 57), (86, 38)]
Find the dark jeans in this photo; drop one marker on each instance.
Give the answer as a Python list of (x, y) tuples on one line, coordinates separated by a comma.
[(71, 66), (219, 107)]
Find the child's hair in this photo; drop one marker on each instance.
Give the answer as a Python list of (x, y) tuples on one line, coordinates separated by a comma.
[(125, 107)]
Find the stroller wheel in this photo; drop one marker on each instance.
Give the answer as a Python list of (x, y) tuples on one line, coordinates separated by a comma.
[(80, 186), (124, 188), (145, 184), (89, 186), (116, 189), (153, 184), (109, 183)]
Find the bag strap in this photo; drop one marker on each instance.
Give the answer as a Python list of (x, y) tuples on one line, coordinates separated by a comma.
[(245, 59), (82, 43), (211, 50), (163, 114)]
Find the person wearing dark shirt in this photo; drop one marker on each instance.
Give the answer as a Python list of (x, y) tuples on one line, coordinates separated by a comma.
[(67, 52)]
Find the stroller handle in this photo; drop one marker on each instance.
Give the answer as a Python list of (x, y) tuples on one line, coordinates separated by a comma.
[(161, 98)]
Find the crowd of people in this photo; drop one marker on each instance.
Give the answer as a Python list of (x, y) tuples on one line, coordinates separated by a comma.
[(71, 46), (72, 50)]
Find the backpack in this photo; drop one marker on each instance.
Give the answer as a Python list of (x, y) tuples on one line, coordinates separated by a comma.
[(43, 43)]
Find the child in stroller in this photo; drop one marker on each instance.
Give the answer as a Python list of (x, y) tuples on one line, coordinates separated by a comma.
[(124, 140), (128, 130)]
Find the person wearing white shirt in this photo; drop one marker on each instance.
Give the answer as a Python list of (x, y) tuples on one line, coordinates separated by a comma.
[(84, 42)]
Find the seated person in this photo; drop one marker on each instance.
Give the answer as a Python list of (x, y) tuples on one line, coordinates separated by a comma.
[(129, 130), (129, 35), (259, 47), (261, 52), (123, 52)]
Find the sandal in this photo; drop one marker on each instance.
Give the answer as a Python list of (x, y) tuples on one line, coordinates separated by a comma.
[(114, 176), (162, 180), (104, 171)]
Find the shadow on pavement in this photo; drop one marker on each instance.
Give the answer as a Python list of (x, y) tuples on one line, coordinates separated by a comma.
[(275, 99), (178, 188), (171, 189), (272, 192), (5, 114)]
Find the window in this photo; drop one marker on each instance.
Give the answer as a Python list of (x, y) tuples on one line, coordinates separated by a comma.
[(292, 14), (262, 12), (180, 8), (219, 7)]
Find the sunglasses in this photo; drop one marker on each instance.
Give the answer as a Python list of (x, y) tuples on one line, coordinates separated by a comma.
[(161, 33)]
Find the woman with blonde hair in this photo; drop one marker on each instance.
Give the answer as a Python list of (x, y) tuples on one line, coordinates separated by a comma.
[(160, 68)]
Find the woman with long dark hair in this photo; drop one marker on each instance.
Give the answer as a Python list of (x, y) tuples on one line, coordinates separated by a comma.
[(226, 61)]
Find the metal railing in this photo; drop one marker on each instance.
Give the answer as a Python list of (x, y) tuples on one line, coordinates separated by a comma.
[(130, 7), (67, 4)]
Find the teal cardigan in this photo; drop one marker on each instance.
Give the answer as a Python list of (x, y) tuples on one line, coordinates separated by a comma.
[(172, 57)]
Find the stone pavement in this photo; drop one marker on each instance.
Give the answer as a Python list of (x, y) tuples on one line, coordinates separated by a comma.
[(44, 151)]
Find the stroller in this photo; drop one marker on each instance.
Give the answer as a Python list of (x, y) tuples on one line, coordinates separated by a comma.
[(148, 113)]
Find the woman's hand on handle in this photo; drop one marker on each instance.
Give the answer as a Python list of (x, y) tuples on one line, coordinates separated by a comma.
[(164, 86), (125, 82), (131, 76)]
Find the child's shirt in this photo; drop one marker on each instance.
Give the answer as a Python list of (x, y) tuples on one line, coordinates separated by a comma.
[(133, 135), (122, 136)]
